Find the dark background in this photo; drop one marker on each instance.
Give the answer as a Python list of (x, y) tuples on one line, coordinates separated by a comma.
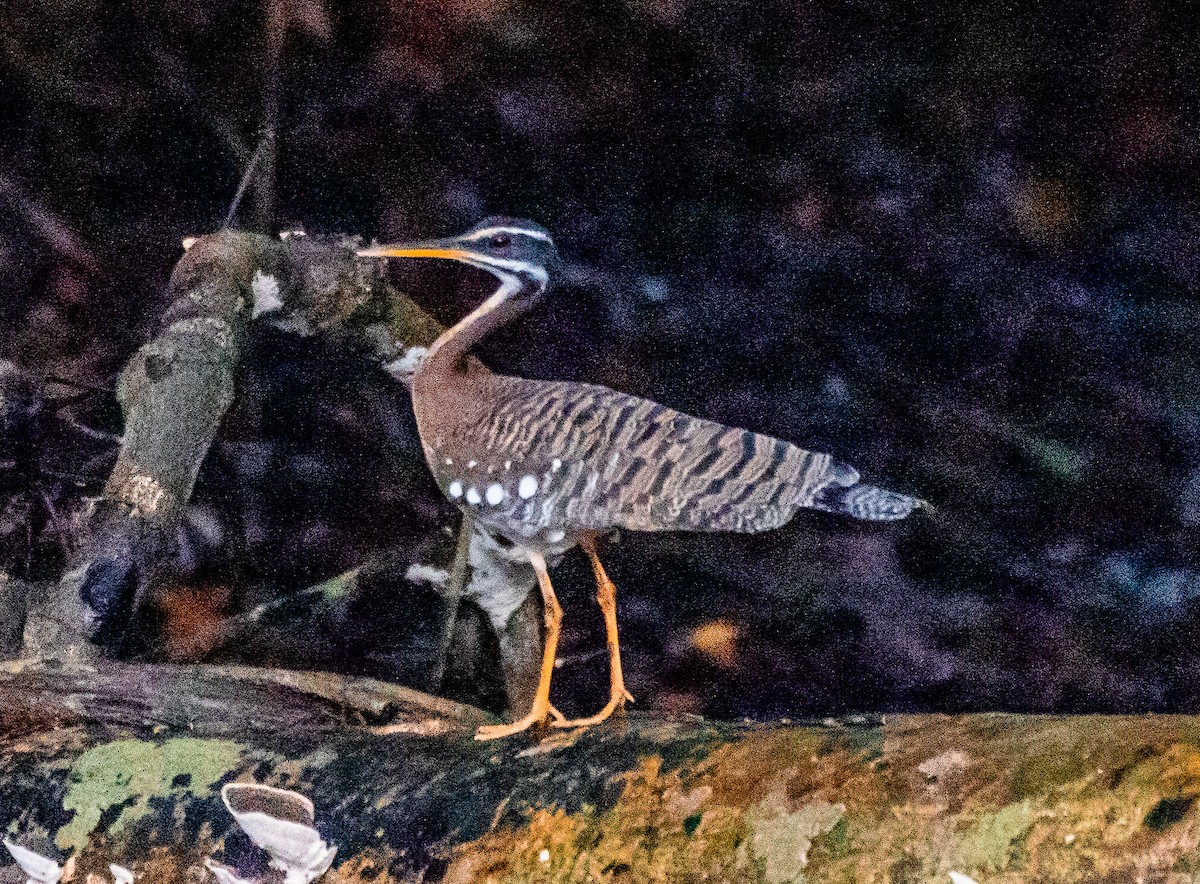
[(958, 249)]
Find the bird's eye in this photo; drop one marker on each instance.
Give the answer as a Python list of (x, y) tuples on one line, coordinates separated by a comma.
[(501, 241)]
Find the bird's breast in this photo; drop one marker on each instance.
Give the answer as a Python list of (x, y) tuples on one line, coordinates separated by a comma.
[(484, 440)]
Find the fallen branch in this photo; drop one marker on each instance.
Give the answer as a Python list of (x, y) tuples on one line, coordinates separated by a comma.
[(123, 763)]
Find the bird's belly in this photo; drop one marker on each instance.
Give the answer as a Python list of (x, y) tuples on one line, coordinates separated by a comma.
[(550, 542)]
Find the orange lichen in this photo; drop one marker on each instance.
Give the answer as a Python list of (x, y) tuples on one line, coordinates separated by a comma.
[(988, 796), (658, 831), (369, 865)]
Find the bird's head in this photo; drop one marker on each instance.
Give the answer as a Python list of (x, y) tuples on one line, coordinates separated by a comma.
[(519, 253)]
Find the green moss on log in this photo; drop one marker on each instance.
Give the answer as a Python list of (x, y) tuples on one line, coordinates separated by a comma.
[(125, 775)]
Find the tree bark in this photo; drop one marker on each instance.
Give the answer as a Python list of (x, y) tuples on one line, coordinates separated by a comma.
[(122, 763), (173, 394)]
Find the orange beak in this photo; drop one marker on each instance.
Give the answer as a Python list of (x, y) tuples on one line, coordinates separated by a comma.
[(416, 250)]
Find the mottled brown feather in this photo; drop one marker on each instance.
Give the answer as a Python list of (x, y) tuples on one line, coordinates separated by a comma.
[(604, 459)]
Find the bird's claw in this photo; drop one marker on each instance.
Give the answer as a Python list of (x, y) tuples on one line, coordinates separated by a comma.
[(615, 703), (551, 716), (497, 731)]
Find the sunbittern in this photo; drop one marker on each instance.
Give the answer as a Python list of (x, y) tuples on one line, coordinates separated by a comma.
[(551, 464)]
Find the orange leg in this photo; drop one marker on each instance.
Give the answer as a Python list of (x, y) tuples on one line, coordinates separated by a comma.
[(541, 700), (606, 595)]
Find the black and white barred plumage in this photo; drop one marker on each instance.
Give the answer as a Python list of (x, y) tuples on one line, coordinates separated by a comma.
[(603, 459)]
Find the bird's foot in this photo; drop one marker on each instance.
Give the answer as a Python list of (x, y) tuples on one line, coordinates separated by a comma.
[(615, 703), (535, 718), (496, 731)]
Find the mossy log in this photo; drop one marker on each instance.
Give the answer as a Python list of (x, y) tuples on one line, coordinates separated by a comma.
[(123, 763)]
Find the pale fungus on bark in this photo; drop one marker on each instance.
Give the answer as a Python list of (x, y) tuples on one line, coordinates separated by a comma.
[(143, 494), (281, 823), (405, 366), (265, 289), (224, 874), (38, 868), (418, 573)]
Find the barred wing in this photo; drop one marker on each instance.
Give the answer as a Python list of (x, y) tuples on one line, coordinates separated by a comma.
[(603, 459)]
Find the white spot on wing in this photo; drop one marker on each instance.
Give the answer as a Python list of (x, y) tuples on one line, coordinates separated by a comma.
[(470, 465), (473, 496), (455, 489), (495, 493), (527, 488)]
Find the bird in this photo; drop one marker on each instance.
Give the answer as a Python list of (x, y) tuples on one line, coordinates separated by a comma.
[(550, 465)]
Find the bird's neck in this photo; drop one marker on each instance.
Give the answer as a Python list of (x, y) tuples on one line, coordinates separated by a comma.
[(448, 353)]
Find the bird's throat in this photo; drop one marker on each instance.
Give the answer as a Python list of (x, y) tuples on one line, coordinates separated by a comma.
[(447, 355)]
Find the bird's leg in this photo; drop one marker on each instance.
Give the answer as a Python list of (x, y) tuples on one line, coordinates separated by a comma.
[(541, 700), (606, 595)]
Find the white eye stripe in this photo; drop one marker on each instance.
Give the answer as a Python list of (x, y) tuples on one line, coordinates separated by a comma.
[(496, 265), (515, 231)]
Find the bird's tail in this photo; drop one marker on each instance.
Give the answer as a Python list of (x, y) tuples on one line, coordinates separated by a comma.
[(846, 495)]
